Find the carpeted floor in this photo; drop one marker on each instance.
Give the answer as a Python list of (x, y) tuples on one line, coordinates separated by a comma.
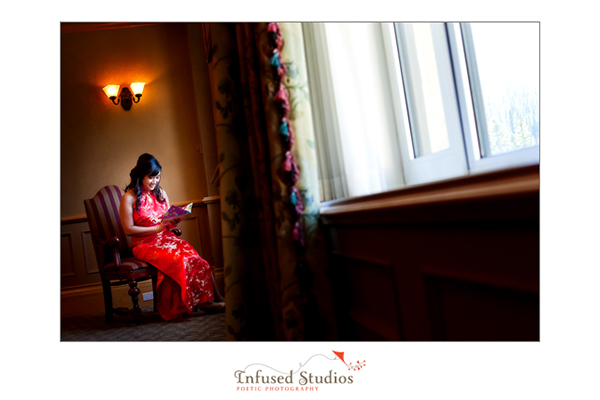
[(195, 327)]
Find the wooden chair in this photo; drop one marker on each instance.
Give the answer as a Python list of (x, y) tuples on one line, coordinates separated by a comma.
[(112, 247)]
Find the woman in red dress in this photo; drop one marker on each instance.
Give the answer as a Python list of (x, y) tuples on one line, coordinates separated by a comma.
[(184, 279)]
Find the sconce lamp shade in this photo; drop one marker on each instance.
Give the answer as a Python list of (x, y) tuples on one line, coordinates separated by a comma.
[(127, 97), (137, 88), (111, 91)]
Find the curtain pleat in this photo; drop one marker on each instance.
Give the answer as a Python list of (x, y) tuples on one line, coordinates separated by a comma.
[(259, 152), (276, 286)]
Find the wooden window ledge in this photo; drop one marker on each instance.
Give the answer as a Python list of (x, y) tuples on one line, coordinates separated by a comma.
[(511, 193)]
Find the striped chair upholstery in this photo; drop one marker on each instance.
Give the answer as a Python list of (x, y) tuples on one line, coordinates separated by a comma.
[(115, 261), (103, 215)]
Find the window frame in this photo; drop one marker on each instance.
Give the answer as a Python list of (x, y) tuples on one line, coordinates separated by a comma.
[(446, 164), (464, 84), (465, 91), (422, 170)]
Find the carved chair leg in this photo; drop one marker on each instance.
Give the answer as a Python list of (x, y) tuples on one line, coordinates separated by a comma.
[(134, 293), (108, 308), (154, 301)]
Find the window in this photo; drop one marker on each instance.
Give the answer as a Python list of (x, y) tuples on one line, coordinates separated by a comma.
[(503, 68), (410, 103)]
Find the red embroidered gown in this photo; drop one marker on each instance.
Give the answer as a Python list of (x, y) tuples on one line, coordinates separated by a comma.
[(184, 279)]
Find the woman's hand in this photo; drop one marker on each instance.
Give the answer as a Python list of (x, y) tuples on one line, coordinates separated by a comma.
[(173, 223), (170, 224), (162, 226)]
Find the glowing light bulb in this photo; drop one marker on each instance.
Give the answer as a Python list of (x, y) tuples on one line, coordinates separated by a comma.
[(111, 90), (137, 87)]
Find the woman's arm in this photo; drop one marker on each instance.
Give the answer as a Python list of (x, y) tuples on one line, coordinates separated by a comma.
[(164, 194), (126, 214)]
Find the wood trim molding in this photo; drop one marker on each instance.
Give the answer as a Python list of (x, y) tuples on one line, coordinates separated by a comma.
[(73, 220), (211, 199), (81, 289), (509, 283), (496, 185), (386, 264), (77, 27), (195, 203)]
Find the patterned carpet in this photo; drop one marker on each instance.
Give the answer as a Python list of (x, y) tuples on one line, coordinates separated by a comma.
[(195, 327)]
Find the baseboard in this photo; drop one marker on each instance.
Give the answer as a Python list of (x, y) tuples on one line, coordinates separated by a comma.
[(88, 299)]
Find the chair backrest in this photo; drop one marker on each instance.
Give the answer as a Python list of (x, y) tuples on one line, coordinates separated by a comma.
[(103, 217)]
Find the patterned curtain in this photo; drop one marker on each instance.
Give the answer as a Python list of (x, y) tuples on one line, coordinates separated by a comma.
[(274, 254)]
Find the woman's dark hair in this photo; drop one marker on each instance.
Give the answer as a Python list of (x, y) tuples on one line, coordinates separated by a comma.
[(147, 165)]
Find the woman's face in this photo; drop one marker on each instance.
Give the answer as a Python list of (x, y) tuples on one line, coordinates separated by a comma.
[(150, 182)]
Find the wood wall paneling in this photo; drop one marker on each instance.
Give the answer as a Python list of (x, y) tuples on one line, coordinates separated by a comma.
[(88, 299), (191, 233), (466, 269), (67, 262), (475, 311), (375, 317), (91, 263)]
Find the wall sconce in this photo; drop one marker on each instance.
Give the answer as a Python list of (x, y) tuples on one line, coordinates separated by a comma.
[(126, 98)]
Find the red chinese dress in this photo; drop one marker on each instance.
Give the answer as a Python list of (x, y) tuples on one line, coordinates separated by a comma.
[(184, 279)]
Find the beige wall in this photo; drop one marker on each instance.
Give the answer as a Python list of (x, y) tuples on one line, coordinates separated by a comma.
[(202, 89), (100, 142)]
